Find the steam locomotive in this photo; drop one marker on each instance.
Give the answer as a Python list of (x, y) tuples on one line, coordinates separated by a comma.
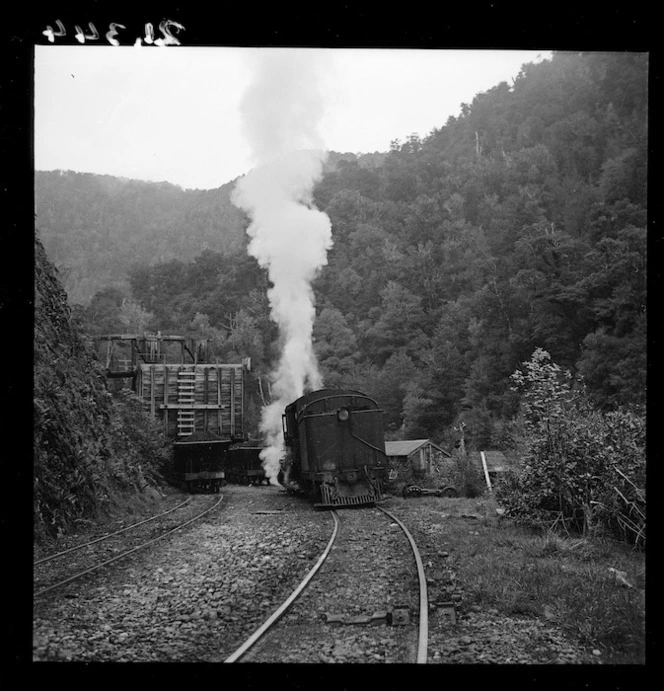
[(336, 447)]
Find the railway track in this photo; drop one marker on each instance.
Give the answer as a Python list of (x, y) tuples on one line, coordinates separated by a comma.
[(423, 599), (287, 603), (212, 588), (359, 578), (102, 551)]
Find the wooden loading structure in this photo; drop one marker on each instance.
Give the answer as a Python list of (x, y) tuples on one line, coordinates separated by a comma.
[(194, 398), (178, 385)]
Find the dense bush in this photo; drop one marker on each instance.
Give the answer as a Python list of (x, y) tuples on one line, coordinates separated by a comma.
[(584, 469), (139, 453), (89, 446)]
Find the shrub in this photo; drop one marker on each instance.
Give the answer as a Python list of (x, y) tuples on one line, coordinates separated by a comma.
[(584, 470), (466, 476), (141, 451)]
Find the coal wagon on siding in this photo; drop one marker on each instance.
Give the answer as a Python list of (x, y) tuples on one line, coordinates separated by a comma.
[(201, 407), (244, 466), (336, 447), (199, 403)]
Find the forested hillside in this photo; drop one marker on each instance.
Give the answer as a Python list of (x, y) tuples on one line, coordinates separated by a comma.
[(96, 227), (518, 225)]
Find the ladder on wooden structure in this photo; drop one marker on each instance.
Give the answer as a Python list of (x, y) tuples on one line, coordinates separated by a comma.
[(186, 391)]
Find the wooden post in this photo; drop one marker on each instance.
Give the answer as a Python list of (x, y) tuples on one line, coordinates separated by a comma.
[(242, 400), (218, 370), (166, 399), (152, 391), (260, 390), (232, 402), (462, 441), (486, 471), (205, 397)]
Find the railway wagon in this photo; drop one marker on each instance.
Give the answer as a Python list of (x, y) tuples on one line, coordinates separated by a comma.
[(201, 407), (336, 445), (244, 465), (199, 462)]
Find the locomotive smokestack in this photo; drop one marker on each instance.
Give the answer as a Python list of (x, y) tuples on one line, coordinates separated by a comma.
[(281, 110)]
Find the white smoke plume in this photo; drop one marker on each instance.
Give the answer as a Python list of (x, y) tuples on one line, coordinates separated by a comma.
[(281, 111)]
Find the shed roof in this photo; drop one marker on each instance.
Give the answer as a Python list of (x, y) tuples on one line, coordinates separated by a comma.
[(406, 447)]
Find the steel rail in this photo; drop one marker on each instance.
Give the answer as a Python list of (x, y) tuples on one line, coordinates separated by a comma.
[(105, 537), (424, 605), (124, 554), (269, 622)]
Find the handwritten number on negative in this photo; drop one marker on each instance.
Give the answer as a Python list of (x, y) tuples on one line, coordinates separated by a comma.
[(149, 33), (50, 34), (169, 39), (166, 27), (80, 36), (149, 36), (112, 33)]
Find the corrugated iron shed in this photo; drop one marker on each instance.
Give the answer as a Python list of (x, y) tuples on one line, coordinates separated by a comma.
[(408, 446), (403, 448)]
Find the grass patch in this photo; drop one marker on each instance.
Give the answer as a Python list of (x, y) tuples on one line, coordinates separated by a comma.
[(565, 580)]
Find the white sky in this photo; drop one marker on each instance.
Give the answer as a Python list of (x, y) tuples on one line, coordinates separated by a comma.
[(172, 113)]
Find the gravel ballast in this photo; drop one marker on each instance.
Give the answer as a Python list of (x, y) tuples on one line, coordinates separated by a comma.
[(343, 615), (192, 596), (197, 595)]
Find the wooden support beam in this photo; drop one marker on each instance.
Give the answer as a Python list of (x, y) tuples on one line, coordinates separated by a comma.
[(205, 397), (193, 406), (120, 375), (232, 402), (219, 401), (152, 401), (165, 413)]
